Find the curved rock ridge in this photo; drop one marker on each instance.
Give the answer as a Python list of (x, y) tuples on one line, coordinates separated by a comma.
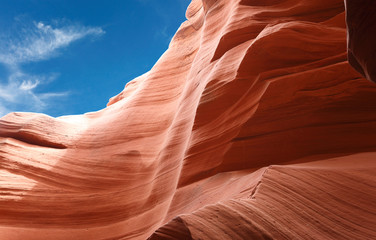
[(361, 22), (252, 125), (286, 205)]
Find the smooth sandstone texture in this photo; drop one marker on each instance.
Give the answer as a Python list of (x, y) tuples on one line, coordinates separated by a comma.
[(252, 125), (361, 25)]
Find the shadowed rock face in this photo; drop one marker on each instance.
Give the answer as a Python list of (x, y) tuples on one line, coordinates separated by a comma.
[(252, 125), (361, 25)]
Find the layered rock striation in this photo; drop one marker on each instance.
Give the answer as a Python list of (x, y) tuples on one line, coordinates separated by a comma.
[(252, 125)]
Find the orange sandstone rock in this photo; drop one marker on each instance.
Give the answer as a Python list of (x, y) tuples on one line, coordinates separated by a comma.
[(251, 125), (361, 24)]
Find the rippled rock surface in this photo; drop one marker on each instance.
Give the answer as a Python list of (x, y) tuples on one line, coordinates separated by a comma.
[(252, 125)]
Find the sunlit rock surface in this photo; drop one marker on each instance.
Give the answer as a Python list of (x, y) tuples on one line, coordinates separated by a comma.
[(252, 125)]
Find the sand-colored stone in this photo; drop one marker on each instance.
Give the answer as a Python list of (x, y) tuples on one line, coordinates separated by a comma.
[(252, 124)]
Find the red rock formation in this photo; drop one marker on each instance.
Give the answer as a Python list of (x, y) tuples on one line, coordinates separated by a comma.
[(251, 125), (361, 25)]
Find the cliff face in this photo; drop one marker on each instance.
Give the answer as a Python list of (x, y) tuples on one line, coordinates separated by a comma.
[(252, 124), (361, 22)]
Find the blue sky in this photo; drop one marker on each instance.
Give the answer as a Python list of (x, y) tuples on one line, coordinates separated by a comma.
[(63, 57)]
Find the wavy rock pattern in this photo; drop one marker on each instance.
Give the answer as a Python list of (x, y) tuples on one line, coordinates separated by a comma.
[(329, 199), (251, 125)]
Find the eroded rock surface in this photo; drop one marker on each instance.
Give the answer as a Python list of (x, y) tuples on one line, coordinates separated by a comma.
[(361, 25), (252, 124)]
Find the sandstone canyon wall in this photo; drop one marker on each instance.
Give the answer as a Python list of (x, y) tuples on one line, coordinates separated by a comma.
[(361, 25), (252, 125)]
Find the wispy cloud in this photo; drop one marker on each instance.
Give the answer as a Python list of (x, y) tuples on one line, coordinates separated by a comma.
[(18, 93), (42, 42), (32, 44)]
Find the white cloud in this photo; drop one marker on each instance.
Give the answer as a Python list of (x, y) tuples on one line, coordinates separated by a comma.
[(28, 85), (32, 44), (41, 42), (3, 110), (18, 93)]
